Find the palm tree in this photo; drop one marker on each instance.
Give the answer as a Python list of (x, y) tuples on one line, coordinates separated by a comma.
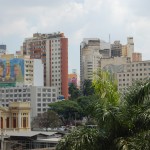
[(123, 122)]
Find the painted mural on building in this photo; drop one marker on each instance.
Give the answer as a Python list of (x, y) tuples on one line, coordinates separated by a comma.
[(72, 78), (11, 70)]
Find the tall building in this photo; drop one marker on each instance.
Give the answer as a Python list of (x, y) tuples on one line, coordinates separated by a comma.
[(128, 50), (33, 72), (2, 49), (52, 49), (130, 47), (89, 58), (105, 49), (116, 49)]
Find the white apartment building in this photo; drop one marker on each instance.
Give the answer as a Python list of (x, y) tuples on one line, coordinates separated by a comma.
[(33, 72), (133, 71), (52, 49), (39, 97), (89, 58)]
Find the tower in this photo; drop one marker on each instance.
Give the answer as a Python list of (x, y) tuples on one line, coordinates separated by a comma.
[(52, 49)]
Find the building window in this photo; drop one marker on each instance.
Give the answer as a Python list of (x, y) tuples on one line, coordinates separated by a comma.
[(7, 122), (24, 122), (39, 95), (39, 104), (39, 109), (44, 104)]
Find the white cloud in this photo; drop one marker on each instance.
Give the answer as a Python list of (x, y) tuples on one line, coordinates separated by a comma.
[(77, 19)]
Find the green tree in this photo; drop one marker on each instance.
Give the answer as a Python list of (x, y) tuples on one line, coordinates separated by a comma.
[(88, 88), (46, 120), (86, 104), (67, 110), (74, 91), (122, 122)]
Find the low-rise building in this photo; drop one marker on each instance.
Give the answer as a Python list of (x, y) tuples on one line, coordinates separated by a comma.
[(15, 117), (39, 97)]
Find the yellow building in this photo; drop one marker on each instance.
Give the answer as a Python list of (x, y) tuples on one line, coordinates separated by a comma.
[(15, 117)]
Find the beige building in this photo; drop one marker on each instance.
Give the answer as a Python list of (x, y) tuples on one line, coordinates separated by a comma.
[(15, 117), (133, 71), (89, 58), (115, 64)]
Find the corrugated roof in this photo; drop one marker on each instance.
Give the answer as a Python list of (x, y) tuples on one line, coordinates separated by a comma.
[(27, 133)]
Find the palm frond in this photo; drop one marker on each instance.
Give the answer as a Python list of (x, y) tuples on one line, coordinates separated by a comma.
[(138, 93), (80, 139)]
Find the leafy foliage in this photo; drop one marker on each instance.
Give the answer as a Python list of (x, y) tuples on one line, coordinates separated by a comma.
[(74, 91), (123, 121), (80, 139), (47, 120), (88, 88), (67, 110)]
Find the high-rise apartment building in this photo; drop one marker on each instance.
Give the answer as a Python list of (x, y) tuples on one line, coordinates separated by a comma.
[(105, 49), (89, 58), (116, 49), (2, 49), (52, 49)]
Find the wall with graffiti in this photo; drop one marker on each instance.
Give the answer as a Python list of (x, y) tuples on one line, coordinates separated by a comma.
[(11, 70)]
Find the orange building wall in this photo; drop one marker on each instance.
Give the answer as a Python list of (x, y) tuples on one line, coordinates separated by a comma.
[(64, 66), (136, 57)]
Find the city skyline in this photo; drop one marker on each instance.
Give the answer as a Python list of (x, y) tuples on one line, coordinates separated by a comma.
[(78, 19)]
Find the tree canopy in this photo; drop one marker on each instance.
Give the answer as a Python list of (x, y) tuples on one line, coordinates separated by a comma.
[(87, 88), (46, 120), (74, 91), (67, 110), (123, 122)]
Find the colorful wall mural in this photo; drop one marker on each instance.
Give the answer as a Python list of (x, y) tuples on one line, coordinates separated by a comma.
[(11, 71), (72, 78)]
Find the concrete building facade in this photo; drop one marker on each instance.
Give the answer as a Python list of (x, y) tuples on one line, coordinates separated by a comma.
[(52, 49), (116, 49), (136, 57), (89, 58), (38, 96), (34, 72), (133, 71)]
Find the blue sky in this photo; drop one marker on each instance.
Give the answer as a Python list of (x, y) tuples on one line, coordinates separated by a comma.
[(78, 19)]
